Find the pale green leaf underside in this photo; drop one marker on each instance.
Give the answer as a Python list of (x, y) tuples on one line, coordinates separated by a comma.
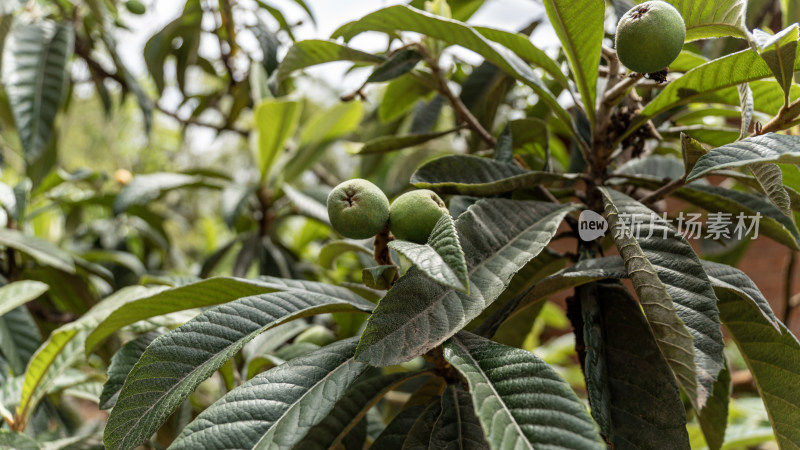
[(278, 407), (770, 147), (520, 401), (670, 280), (416, 315), (726, 72), (442, 258), (779, 51), (472, 175), (176, 363), (715, 18), (210, 292)]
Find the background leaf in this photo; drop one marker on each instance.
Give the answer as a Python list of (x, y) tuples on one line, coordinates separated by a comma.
[(716, 18), (35, 78)]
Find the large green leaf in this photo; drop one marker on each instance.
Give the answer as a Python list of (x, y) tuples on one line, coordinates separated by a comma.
[(405, 18), (715, 18), (314, 51), (773, 358), (35, 78), (674, 290), (772, 222), (770, 147), (727, 72), (779, 51), (17, 441), (418, 314), (64, 347), (579, 26), (633, 395), (40, 250), (183, 358), (520, 401), (351, 409), (472, 175), (203, 293), (442, 258), (278, 407), (121, 364), (276, 121), (418, 433), (19, 293), (457, 427), (737, 283)]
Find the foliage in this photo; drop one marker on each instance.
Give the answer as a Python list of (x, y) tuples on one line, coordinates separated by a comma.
[(204, 300)]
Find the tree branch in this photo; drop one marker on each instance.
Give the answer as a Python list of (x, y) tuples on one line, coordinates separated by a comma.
[(783, 120), (663, 191), (460, 108)]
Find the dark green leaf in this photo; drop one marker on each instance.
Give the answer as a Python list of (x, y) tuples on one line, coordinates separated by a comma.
[(472, 175), (418, 314), (280, 405), (121, 364), (713, 417), (520, 401), (633, 395), (40, 250), (674, 290), (351, 409), (385, 144), (457, 427), (398, 64), (379, 277), (188, 355)]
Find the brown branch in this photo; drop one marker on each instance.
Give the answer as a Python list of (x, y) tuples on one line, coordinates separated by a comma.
[(663, 191), (785, 117), (460, 108), (199, 123)]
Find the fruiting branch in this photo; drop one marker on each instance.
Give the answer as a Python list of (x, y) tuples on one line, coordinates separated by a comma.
[(381, 251), (785, 119)]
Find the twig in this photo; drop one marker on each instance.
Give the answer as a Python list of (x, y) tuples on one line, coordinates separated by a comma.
[(460, 108), (787, 289), (664, 190), (381, 251), (786, 116)]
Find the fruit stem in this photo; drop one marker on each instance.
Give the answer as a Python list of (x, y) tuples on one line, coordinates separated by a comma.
[(381, 251)]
